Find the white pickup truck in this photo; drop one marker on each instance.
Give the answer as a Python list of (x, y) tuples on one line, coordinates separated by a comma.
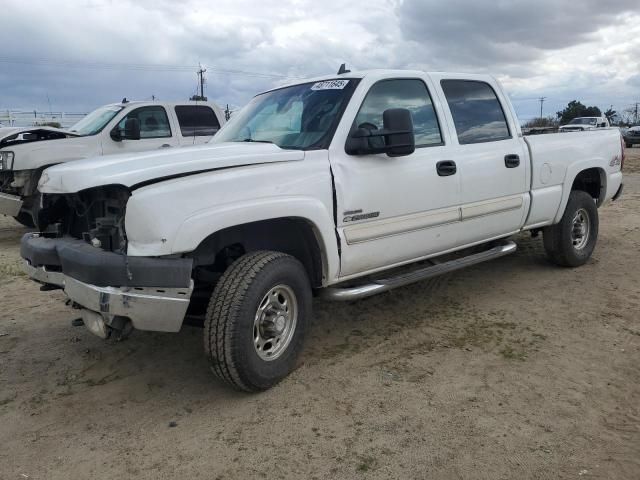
[(345, 186), (581, 124), (126, 127)]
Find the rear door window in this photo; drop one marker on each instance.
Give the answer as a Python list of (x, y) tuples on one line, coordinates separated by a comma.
[(477, 113), (197, 120)]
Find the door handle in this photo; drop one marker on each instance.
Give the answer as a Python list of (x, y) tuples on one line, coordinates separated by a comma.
[(165, 145), (512, 160), (446, 168)]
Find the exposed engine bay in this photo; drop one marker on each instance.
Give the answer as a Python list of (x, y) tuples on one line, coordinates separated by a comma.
[(29, 135), (95, 215)]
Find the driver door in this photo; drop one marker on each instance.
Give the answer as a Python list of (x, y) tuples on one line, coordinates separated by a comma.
[(155, 132), (392, 210)]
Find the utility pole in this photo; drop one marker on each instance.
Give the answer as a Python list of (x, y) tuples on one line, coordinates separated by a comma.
[(541, 100), (635, 114), (201, 76), (201, 71)]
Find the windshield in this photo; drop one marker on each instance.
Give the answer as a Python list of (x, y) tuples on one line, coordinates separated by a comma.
[(583, 121), (301, 117), (96, 120)]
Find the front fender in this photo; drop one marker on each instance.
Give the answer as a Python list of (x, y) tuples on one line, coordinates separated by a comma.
[(174, 217), (199, 226)]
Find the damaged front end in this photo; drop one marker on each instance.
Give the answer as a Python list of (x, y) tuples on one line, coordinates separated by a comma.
[(82, 249), (95, 216), (18, 185)]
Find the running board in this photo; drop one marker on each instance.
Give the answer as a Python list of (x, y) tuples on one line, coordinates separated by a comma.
[(384, 284)]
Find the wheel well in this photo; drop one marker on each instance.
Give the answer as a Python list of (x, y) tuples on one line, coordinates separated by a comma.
[(591, 181), (294, 236)]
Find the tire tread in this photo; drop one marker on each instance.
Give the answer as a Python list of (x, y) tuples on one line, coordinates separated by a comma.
[(226, 303)]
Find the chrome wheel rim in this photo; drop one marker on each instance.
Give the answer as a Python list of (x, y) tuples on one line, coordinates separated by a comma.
[(275, 322), (580, 229)]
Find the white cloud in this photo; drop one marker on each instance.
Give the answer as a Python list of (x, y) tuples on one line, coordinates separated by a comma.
[(561, 50)]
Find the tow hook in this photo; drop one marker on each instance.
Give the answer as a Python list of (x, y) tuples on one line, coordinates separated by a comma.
[(115, 327)]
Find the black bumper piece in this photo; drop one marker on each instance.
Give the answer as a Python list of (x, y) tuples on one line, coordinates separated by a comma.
[(77, 259)]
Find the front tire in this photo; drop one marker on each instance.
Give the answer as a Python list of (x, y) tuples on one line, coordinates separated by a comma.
[(571, 242), (257, 320)]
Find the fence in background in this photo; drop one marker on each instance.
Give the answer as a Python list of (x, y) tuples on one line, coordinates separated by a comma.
[(29, 118)]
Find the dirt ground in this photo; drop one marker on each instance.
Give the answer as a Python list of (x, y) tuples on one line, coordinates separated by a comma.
[(511, 369)]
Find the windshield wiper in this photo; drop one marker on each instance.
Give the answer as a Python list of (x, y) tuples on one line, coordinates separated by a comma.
[(256, 141)]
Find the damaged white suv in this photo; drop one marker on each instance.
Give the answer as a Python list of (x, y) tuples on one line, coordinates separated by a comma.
[(346, 186)]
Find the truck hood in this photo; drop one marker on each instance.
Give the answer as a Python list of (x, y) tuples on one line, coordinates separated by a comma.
[(136, 170), (10, 136)]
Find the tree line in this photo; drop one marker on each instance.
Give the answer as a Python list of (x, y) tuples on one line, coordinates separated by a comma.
[(575, 109)]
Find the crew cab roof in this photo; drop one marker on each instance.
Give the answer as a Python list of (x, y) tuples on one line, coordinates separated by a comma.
[(381, 74), (142, 103)]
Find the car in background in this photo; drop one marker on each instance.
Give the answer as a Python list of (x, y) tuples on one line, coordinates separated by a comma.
[(581, 124), (125, 128), (632, 136)]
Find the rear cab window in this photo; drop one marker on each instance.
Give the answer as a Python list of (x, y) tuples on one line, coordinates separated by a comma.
[(197, 120), (477, 113)]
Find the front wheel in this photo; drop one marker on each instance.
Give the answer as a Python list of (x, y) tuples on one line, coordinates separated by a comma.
[(571, 242), (257, 320)]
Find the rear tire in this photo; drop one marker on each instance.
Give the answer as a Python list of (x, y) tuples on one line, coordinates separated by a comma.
[(571, 242), (257, 320)]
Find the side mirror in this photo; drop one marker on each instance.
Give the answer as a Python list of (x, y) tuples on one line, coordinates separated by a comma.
[(396, 139), (116, 134), (132, 129)]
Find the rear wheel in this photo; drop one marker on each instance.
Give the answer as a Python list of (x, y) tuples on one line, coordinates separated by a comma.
[(257, 320), (571, 242)]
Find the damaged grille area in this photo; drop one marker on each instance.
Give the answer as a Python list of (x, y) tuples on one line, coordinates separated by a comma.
[(95, 215)]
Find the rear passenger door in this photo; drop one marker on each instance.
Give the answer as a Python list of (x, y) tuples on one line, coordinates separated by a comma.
[(491, 157), (198, 123), (155, 132)]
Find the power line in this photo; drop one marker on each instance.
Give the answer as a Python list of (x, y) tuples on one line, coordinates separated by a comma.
[(137, 67)]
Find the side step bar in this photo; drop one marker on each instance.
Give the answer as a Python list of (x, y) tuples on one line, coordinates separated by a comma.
[(384, 284)]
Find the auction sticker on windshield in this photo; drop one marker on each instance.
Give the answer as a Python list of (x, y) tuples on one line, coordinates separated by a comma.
[(330, 85)]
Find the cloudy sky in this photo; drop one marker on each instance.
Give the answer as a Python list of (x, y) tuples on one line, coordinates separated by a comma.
[(83, 53)]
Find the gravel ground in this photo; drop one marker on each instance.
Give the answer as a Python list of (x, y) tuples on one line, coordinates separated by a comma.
[(510, 369)]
